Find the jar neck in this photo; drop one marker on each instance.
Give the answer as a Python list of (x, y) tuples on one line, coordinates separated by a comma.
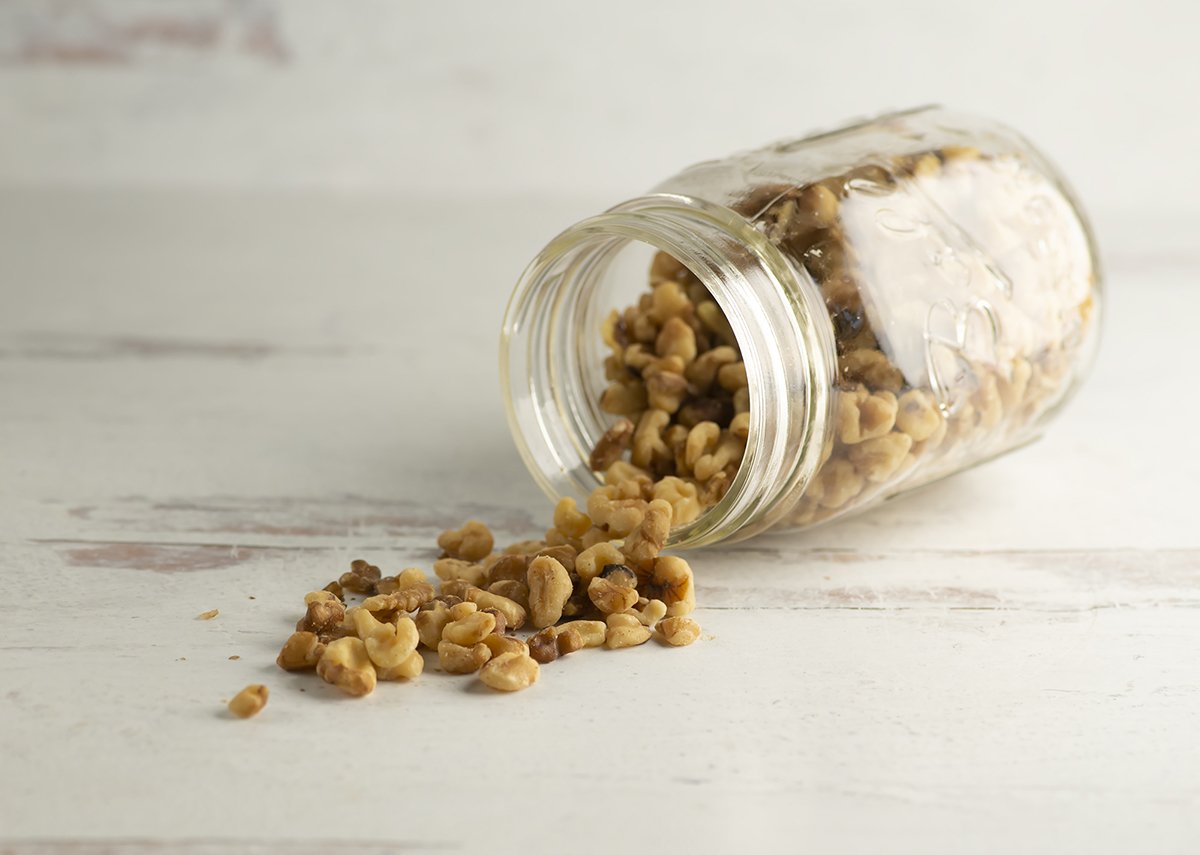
[(551, 370)]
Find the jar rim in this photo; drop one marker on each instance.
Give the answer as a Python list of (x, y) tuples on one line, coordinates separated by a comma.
[(775, 312)]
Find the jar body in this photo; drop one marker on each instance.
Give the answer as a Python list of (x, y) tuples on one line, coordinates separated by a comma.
[(941, 288)]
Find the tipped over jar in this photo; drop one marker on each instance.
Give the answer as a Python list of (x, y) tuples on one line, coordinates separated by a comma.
[(798, 332)]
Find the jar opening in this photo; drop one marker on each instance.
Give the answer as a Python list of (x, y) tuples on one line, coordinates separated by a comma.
[(552, 352)]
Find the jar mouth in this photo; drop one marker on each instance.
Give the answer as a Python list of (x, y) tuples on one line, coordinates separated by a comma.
[(549, 375)]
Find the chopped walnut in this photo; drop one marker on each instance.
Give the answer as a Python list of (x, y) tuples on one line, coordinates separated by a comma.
[(249, 701), (498, 644), (569, 521), (878, 459), (625, 631), (645, 541), (457, 659), (509, 568), (430, 623), (543, 645), (862, 415), (346, 664), (392, 584), (549, 589), (678, 631), (301, 650), (458, 568), (671, 581), (470, 543), (917, 414), (471, 629), (619, 515), (591, 562), (591, 632), (323, 614), (609, 597), (361, 577), (411, 667), (611, 445), (510, 672)]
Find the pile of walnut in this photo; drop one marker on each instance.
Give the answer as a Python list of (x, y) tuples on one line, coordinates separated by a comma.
[(576, 588), (677, 377)]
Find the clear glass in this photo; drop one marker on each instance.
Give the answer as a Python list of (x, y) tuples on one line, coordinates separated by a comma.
[(910, 296)]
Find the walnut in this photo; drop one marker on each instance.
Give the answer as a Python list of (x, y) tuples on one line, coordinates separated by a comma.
[(470, 543), (678, 631), (625, 631), (645, 541), (543, 645), (611, 445), (361, 577), (670, 580), (549, 589), (609, 597), (324, 613), (471, 629), (346, 664), (301, 650), (457, 659), (510, 672), (249, 701)]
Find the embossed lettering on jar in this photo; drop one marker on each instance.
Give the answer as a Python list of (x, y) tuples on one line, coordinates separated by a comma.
[(797, 332)]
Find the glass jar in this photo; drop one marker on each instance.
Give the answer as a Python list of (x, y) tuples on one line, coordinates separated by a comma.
[(909, 296)]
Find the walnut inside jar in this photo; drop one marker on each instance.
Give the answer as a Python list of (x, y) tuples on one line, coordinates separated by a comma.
[(903, 416)]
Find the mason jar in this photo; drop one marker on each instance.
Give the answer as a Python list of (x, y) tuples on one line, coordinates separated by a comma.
[(905, 297)]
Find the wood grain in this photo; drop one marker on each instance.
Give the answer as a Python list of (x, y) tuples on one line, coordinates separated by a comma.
[(218, 403)]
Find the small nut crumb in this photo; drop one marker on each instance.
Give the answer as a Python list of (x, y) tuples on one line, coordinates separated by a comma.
[(473, 542), (457, 659), (510, 672), (249, 701), (678, 631), (235, 657), (208, 615)]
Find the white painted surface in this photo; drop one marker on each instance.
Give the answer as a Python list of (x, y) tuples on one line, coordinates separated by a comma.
[(471, 98), (208, 398)]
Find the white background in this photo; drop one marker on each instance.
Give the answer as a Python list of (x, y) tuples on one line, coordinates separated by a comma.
[(576, 99)]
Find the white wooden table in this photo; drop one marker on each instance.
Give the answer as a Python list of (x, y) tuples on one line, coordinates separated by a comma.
[(217, 401)]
